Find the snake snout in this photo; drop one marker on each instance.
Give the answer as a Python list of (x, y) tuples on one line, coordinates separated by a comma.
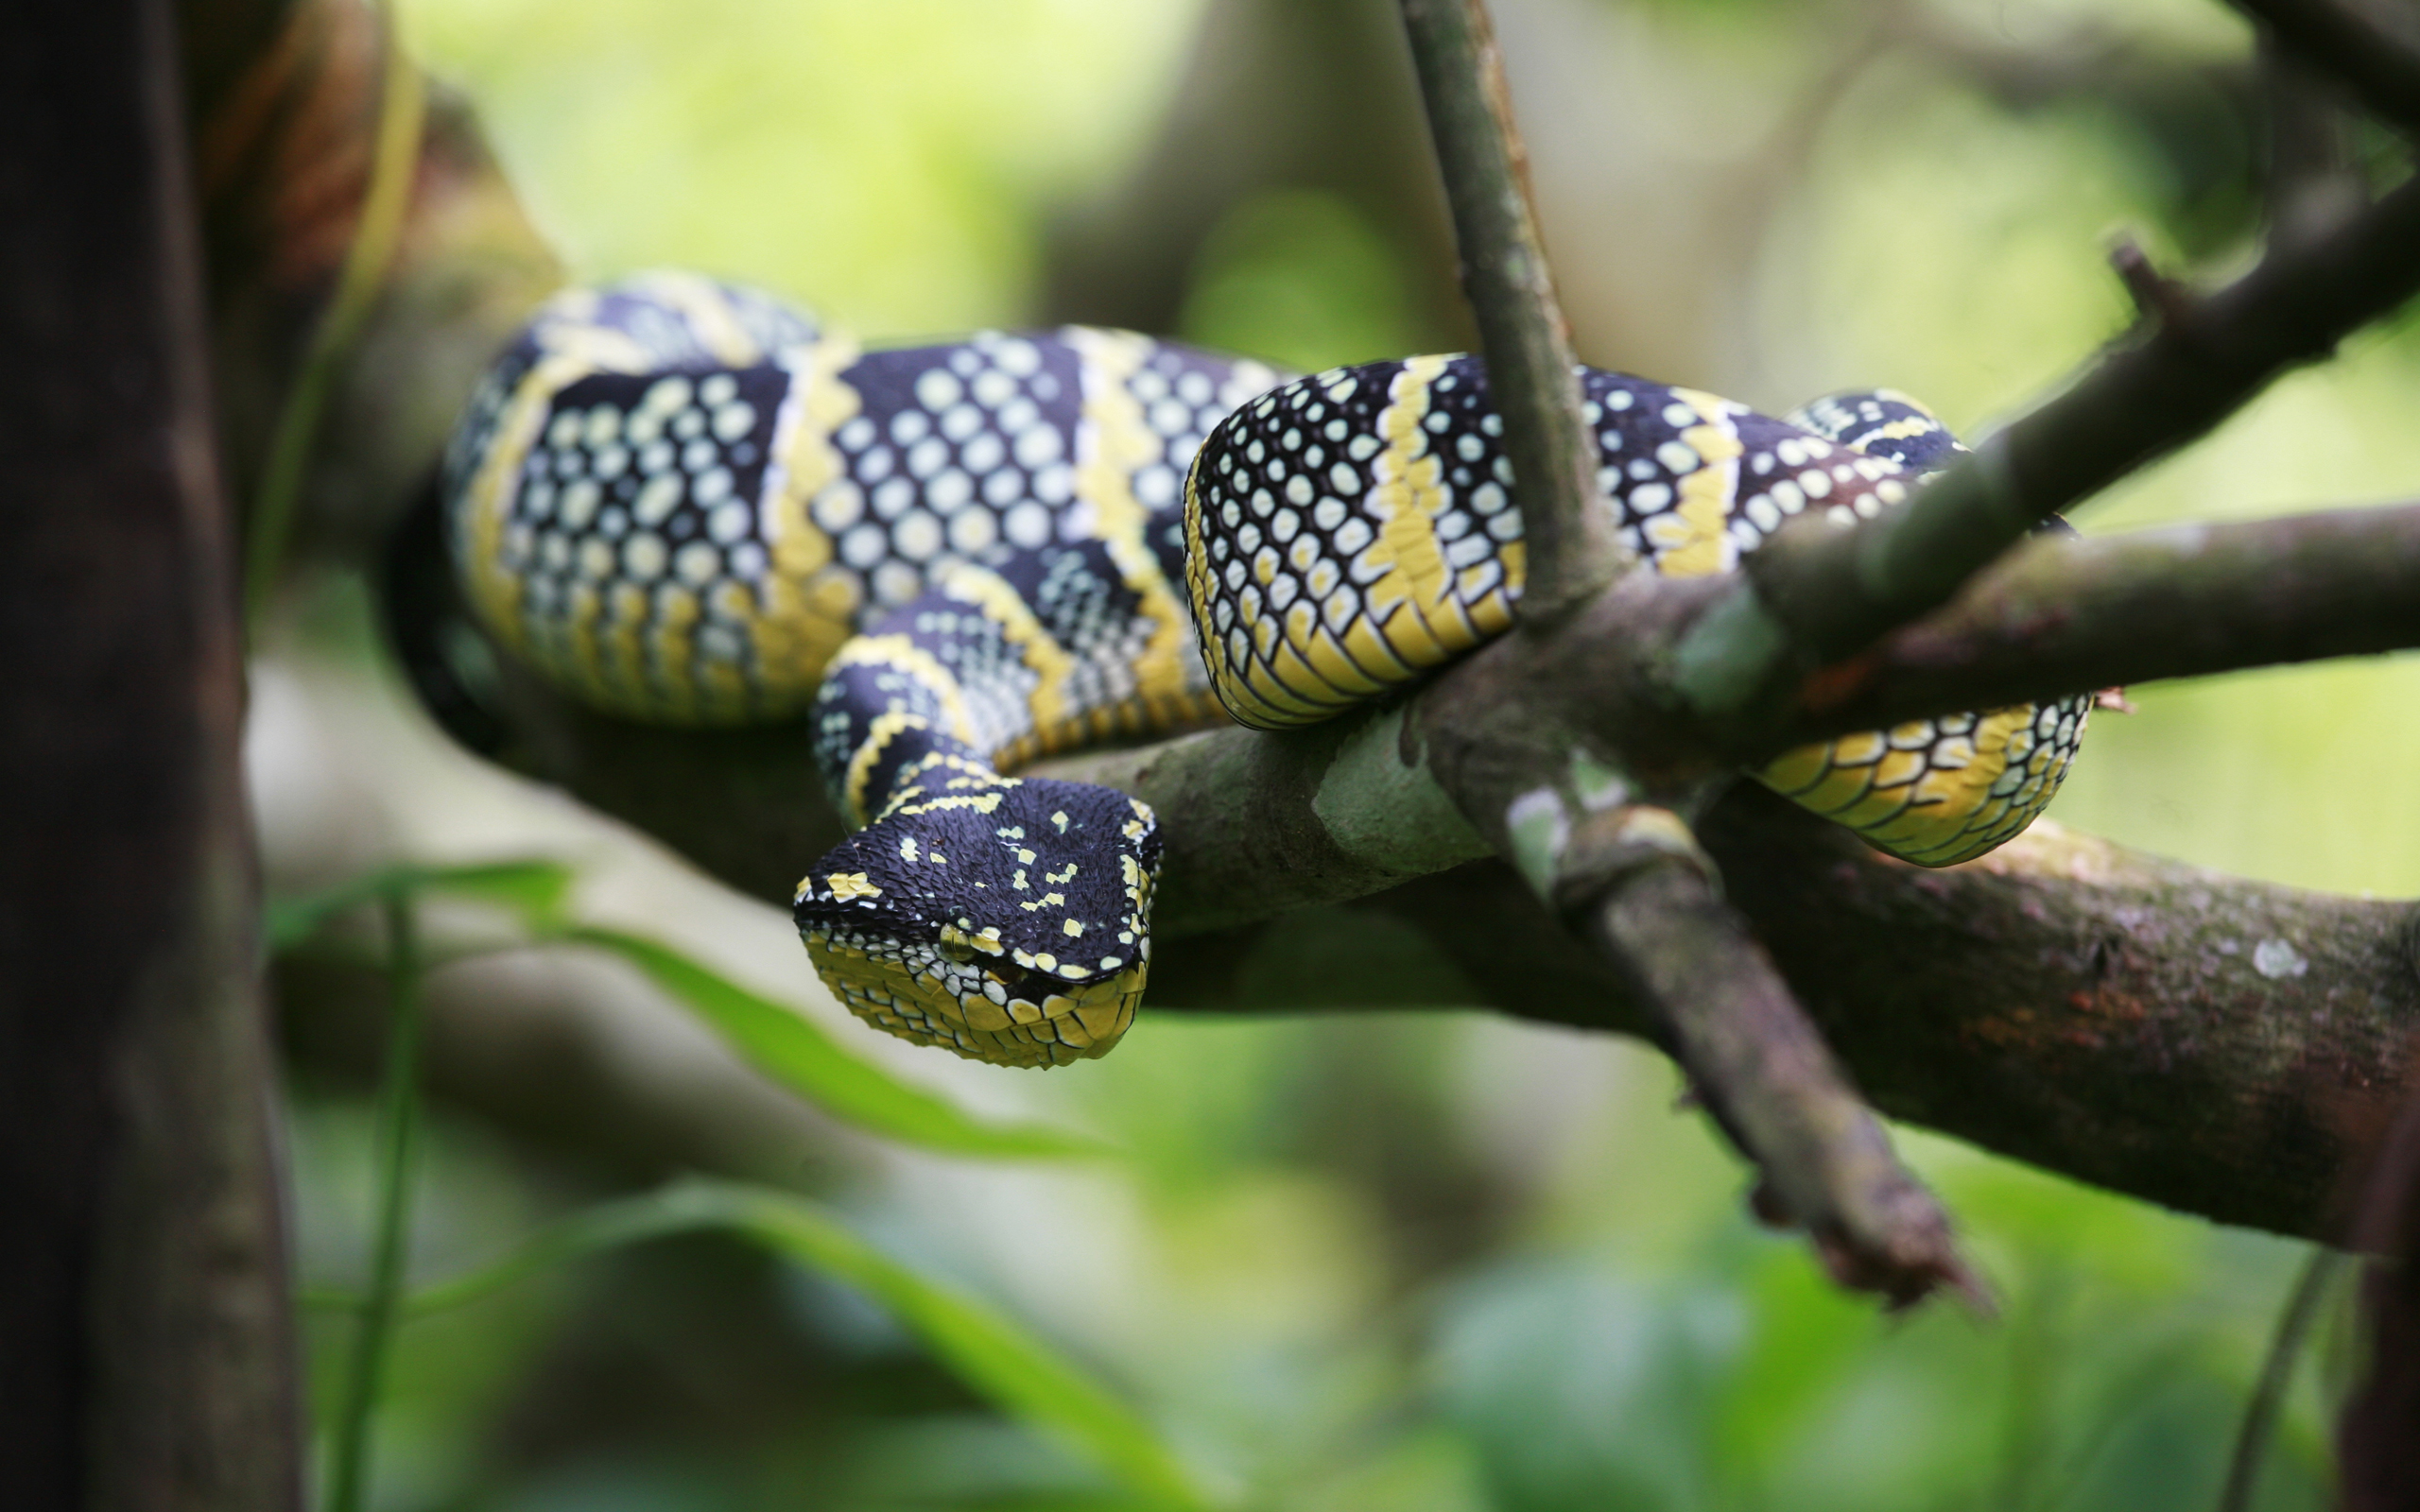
[(1008, 920)]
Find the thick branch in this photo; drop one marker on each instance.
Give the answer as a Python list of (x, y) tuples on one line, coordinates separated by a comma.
[(2224, 1047), (1571, 547), (2378, 63), (1817, 596)]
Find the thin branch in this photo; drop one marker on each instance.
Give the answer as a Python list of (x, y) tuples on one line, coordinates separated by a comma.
[(2064, 616), (1817, 596), (2378, 63), (1571, 547), (2311, 181), (1714, 1002)]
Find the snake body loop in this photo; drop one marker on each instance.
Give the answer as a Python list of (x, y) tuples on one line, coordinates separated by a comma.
[(687, 505)]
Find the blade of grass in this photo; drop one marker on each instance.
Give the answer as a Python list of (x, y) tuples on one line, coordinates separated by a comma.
[(790, 1049), (783, 1045), (349, 1466), (1018, 1372), (534, 889), (2277, 1373), (402, 108)]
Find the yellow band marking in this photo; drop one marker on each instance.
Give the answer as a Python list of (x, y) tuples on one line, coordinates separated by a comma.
[(802, 620), (708, 312), (1706, 495), (886, 728), (1112, 443), (1412, 602)]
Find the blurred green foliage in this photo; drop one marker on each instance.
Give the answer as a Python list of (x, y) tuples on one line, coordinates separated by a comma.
[(1433, 1261)]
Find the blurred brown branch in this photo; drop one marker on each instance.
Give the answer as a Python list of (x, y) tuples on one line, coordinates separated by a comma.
[(146, 1349), (2377, 59)]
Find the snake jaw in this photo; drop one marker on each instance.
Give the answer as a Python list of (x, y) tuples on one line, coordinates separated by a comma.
[(1016, 933)]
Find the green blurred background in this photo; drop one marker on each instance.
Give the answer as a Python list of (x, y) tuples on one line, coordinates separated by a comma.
[(1417, 1262)]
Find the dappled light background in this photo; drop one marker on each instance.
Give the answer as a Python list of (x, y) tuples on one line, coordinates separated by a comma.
[(1417, 1262)]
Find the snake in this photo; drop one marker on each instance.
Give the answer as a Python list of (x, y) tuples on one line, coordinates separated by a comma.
[(684, 502)]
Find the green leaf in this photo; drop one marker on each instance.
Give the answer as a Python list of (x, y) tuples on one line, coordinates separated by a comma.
[(605, 1226), (993, 1354), (534, 889), (790, 1049)]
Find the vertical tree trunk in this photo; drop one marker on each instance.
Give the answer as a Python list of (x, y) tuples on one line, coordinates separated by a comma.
[(146, 1343)]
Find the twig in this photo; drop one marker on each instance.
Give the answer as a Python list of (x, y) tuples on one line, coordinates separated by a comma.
[(401, 111), (2318, 1275), (398, 1136), (1571, 548), (2379, 63), (2156, 295), (1714, 1002)]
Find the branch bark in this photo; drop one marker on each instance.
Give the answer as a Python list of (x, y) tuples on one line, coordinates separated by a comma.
[(145, 1347), (2220, 1046)]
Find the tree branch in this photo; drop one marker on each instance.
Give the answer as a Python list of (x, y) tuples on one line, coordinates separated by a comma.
[(1816, 596), (2064, 616), (1627, 875), (146, 1356), (2221, 1046), (1571, 548), (1719, 1007)]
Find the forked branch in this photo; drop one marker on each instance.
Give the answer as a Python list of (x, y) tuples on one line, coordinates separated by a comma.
[(1625, 873)]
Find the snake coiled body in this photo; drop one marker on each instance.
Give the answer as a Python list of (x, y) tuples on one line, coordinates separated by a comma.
[(687, 505)]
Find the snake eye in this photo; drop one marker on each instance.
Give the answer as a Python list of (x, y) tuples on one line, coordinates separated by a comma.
[(954, 952)]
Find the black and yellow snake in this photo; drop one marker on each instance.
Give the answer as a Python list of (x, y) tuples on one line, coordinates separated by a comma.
[(686, 503)]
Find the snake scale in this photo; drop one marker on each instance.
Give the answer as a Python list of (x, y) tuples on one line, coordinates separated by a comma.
[(686, 503)]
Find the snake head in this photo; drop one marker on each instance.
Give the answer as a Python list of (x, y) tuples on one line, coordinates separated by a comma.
[(1004, 919)]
